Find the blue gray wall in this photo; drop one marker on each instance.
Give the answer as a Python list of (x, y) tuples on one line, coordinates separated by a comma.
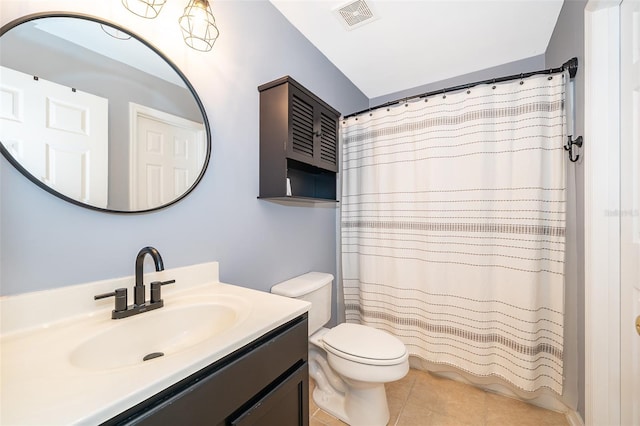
[(47, 243), (566, 42), (525, 65)]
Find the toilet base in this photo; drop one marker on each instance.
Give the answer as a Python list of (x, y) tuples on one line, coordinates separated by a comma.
[(363, 404)]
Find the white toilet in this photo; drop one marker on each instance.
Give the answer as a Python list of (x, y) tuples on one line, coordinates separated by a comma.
[(350, 363)]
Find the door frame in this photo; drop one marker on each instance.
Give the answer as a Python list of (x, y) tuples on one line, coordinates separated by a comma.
[(602, 202)]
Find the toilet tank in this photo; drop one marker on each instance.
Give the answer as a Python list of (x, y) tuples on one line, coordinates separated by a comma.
[(314, 287)]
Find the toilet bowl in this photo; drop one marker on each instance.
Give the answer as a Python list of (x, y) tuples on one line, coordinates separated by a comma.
[(350, 363)]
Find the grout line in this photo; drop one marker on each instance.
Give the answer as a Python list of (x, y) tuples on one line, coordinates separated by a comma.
[(485, 411), (404, 403)]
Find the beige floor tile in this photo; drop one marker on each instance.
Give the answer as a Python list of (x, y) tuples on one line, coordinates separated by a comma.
[(396, 404), (414, 414), (553, 418), (457, 401), (401, 388), (507, 411), (423, 399), (467, 403), (397, 395), (315, 422), (438, 419), (328, 419)]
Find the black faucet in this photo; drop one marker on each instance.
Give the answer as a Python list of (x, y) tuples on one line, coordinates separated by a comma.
[(138, 290), (140, 305)]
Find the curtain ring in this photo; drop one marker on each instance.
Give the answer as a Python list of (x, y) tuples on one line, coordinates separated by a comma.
[(444, 94), (494, 84), (521, 77)]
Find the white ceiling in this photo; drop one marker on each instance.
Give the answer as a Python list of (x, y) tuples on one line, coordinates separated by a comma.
[(413, 43)]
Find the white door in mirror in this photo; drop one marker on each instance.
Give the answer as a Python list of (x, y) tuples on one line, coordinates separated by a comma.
[(167, 156), (58, 134)]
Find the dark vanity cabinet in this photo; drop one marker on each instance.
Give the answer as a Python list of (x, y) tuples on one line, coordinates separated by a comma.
[(298, 143), (263, 383)]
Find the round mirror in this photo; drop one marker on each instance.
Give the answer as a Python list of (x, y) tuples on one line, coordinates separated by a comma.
[(97, 116)]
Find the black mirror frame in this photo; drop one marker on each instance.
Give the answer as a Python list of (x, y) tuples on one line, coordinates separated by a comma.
[(205, 120)]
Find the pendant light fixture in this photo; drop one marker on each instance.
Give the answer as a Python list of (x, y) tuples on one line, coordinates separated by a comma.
[(198, 25), (145, 8)]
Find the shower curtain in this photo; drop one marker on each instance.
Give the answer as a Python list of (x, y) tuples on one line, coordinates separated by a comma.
[(453, 228)]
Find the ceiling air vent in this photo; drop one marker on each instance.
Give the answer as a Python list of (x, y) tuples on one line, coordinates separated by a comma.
[(355, 14)]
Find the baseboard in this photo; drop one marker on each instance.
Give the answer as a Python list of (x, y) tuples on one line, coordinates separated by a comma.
[(574, 418)]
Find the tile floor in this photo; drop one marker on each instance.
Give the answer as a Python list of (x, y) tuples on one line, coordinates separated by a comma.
[(422, 399)]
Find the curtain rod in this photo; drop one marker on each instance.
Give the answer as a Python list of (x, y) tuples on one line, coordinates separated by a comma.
[(571, 65)]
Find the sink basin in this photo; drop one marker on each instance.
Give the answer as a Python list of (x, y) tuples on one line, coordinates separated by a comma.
[(159, 333)]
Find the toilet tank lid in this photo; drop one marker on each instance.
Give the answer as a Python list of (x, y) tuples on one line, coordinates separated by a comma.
[(302, 284)]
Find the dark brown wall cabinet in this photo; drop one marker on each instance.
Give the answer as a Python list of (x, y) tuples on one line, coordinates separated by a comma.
[(298, 143), (264, 383)]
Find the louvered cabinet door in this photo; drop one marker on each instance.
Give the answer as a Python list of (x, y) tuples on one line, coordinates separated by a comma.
[(313, 132), (300, 143), (327, 140)]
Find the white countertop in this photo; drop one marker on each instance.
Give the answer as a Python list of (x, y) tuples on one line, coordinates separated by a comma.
[(39, 384)]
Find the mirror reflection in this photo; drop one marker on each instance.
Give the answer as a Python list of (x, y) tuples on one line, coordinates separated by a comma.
[(93, 114)]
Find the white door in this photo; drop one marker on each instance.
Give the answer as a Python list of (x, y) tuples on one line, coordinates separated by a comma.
[(60, 135), (167, 156), (630, 211)]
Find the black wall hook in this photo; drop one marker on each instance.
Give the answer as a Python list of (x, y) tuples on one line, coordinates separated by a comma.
[(569, 147)]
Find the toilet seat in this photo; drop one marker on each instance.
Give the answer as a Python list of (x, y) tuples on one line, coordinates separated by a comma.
[(365, 345)]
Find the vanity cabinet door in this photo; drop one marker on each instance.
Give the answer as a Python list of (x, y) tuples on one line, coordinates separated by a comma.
[(285, 405)]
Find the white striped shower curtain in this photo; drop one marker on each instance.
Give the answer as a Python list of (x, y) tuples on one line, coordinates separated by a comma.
[(453, 228)]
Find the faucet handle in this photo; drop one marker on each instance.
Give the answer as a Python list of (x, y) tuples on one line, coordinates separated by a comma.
[(155, 290), (121, 298)]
